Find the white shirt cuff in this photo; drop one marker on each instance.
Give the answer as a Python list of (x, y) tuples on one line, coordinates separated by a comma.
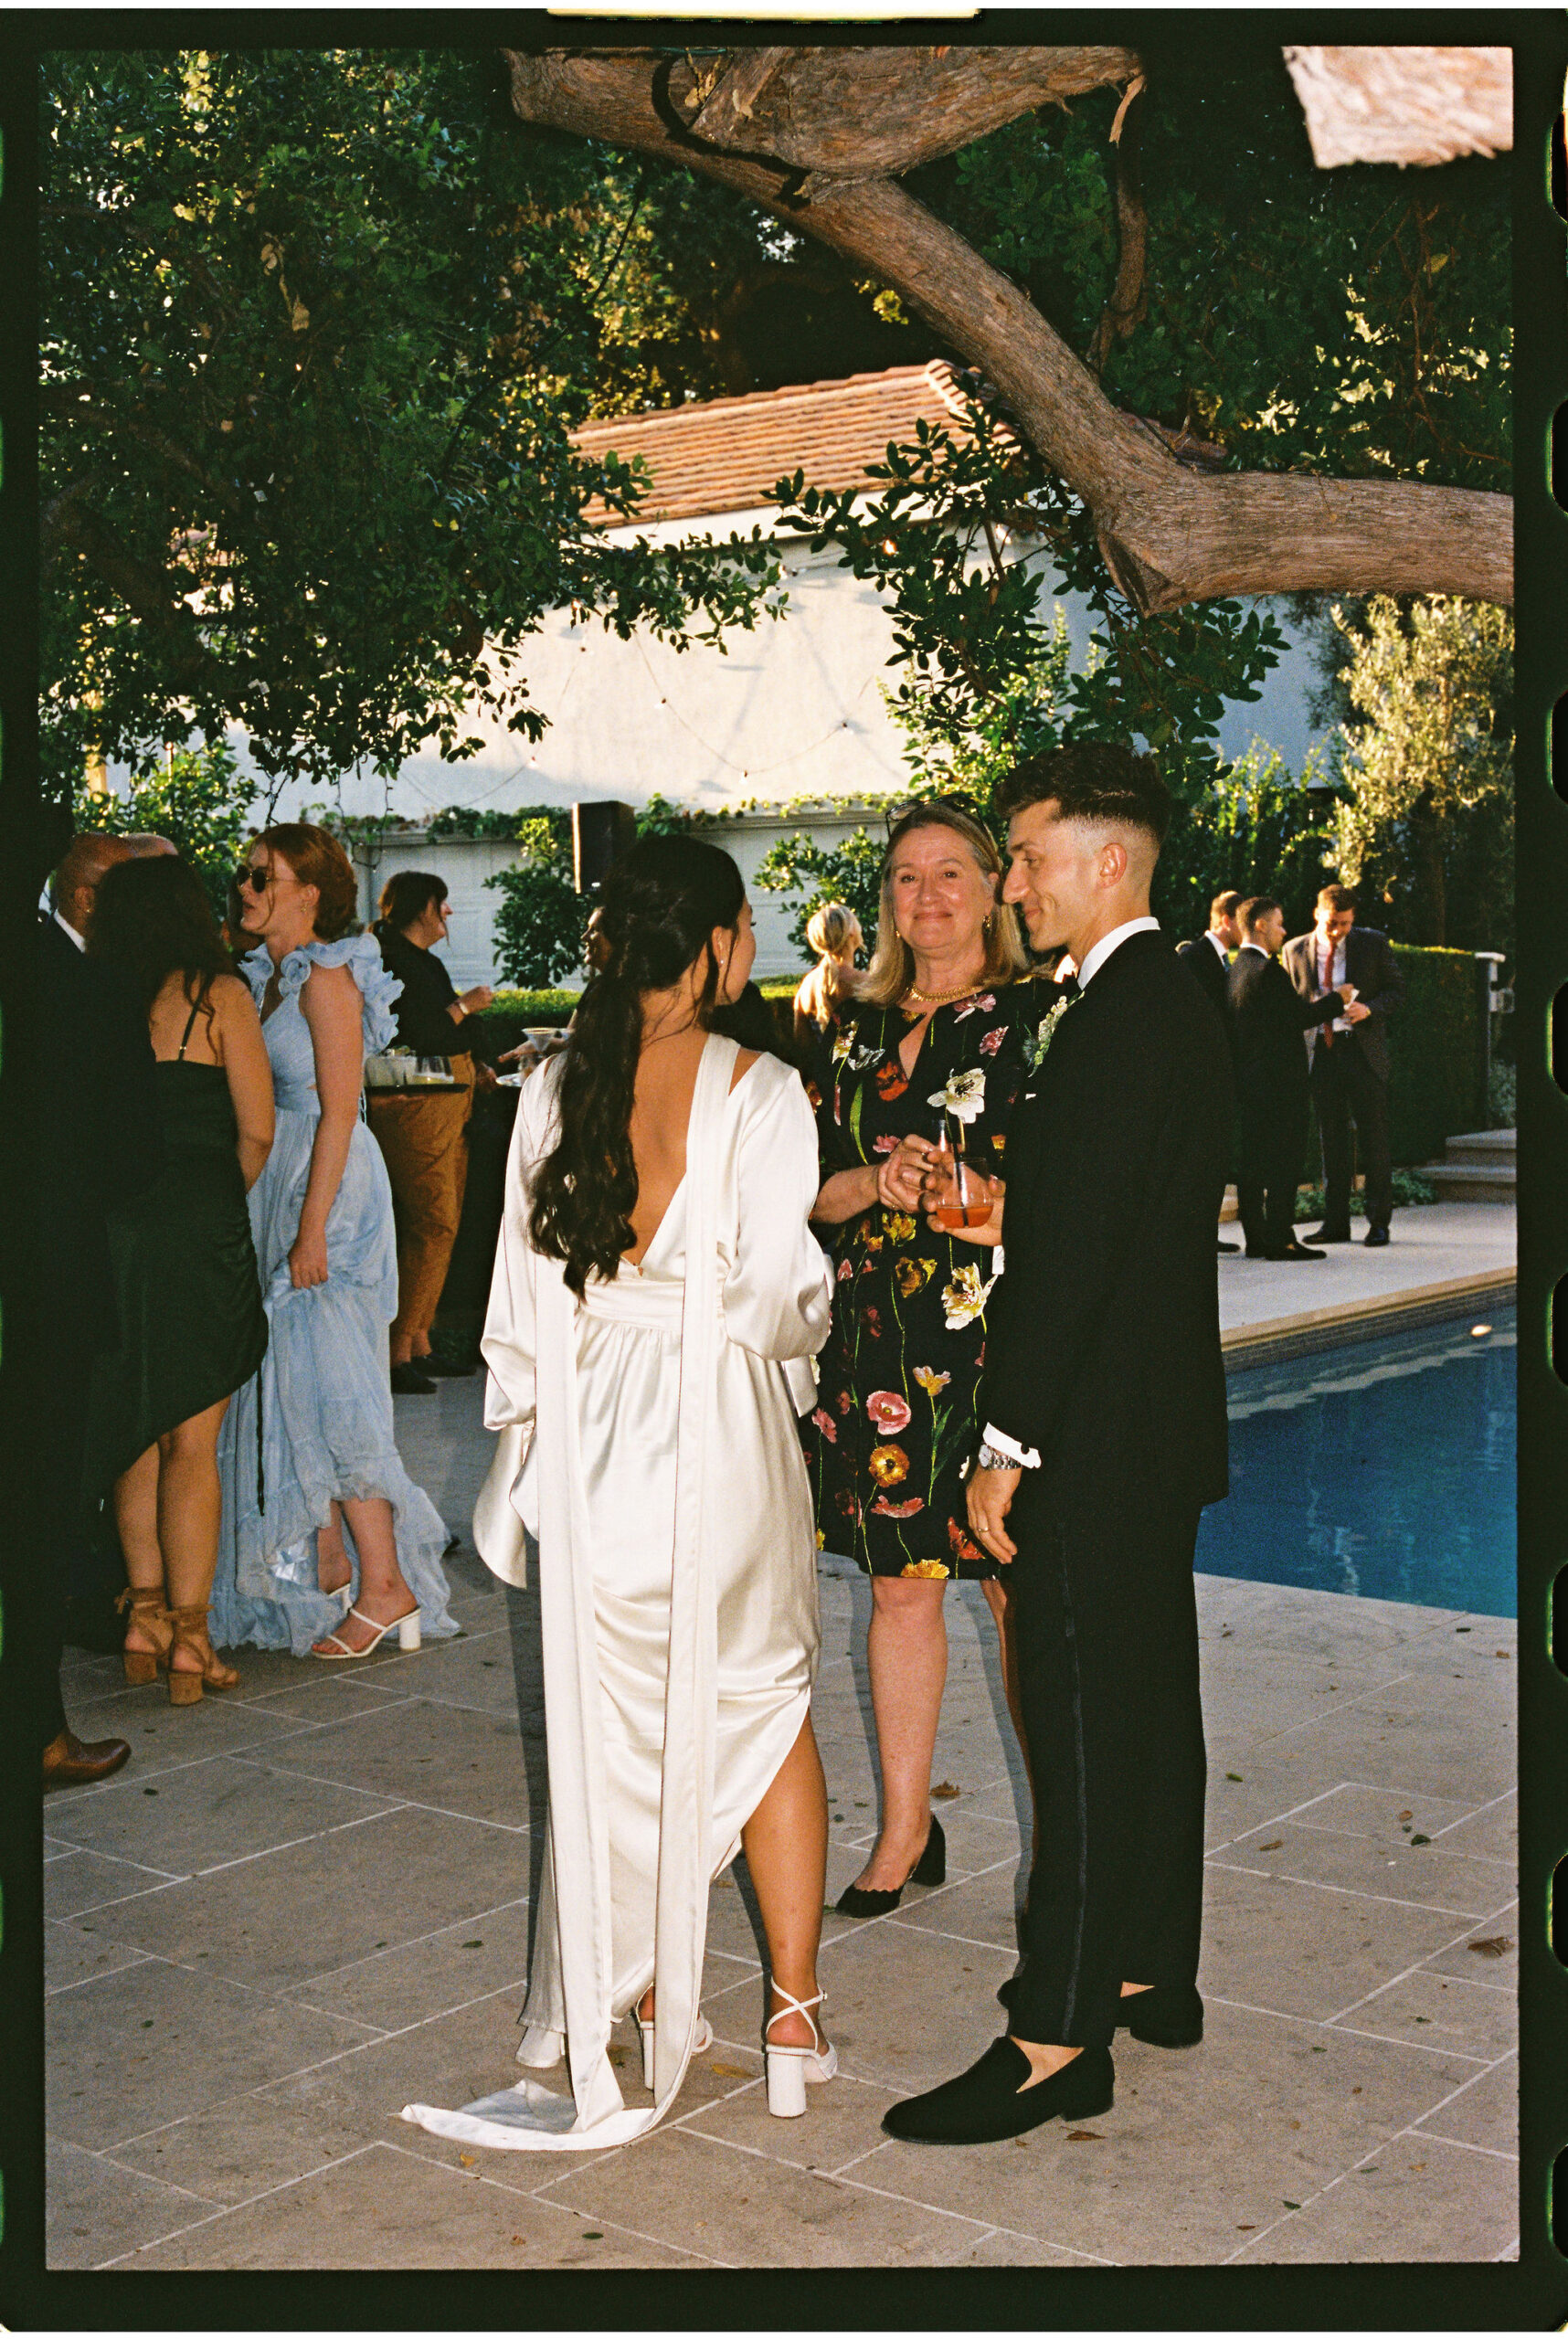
[(1024, 1457)]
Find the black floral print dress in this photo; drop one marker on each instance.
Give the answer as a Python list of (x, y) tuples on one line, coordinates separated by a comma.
[(895, 1421)]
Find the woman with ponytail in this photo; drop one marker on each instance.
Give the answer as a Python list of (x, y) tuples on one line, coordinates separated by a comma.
[(657, 1295)]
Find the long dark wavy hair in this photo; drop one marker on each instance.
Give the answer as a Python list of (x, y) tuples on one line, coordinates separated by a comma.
[(657, 909), (153, 918)]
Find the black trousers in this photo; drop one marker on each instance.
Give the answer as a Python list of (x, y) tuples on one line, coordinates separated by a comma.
[(1107, 1635), (1346, 1088), (1271, 1148)]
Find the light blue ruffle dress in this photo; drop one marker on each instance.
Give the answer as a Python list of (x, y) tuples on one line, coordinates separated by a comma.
[(324, 1386)]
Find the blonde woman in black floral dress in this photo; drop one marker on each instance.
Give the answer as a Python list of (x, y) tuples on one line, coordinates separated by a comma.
[(942, 1019)]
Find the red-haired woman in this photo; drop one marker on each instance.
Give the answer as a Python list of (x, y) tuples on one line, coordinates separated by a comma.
[(322, 1217)]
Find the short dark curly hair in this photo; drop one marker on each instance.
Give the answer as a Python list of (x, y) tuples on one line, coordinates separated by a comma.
[(1097, 781)]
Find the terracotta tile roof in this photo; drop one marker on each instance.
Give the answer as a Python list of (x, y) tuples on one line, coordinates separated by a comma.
[(726, 454)]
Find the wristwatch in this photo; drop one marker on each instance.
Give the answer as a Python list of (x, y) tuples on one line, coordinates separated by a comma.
[(990, 1458)]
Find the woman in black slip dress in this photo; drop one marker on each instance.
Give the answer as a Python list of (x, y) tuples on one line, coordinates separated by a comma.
[(191, 1327)]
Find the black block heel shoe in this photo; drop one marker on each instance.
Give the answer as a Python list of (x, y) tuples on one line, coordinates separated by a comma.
[(991, 2100), (931, 1867), (1168, 2015)]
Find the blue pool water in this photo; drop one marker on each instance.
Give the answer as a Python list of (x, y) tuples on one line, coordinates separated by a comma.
[(1385, 1467)]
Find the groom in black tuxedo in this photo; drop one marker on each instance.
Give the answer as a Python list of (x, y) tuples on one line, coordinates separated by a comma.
[(1104, 1405)]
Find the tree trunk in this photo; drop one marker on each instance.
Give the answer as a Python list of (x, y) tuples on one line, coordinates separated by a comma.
[(1169, 534)]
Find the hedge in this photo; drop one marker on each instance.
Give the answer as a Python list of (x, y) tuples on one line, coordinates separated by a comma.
[(1435, 1051)]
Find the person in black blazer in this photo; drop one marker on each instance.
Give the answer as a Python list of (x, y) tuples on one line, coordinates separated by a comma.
[(1269, 1017), (1350, 1061), (96, 1124), (1208, 958), (1104, 1405)]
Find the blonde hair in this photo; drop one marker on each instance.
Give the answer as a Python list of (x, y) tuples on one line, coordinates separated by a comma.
[(833, 932), (892, 968)]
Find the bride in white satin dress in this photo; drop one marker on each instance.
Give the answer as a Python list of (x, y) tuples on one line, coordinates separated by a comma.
[(657, 1297)]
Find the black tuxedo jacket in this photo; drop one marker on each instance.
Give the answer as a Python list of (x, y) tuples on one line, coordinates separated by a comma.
[(96, 1117), (1213, 975), (1103, 1334), (1270, 1017), (1371, 964)]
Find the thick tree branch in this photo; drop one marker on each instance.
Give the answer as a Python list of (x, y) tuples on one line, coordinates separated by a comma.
[(1169, 534), (150, 593)]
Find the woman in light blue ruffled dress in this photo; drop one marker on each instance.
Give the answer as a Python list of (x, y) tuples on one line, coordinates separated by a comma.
[(316, 1501)]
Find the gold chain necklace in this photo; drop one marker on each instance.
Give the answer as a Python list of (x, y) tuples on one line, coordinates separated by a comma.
[(940, 998)]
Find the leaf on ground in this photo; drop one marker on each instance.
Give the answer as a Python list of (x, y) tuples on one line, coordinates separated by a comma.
[(730, 2070), (1421, 1839), (944, 1791), (1492, 1945), (1246, 2228), (1085, 2137), (1293, 2205), (1277, 1845), (615, 2055), (473, 1944), (1407, 1815), (1234, 1777), (466, 2160)]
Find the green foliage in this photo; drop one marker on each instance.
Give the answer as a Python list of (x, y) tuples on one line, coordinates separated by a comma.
[(960, 540), (1434, 1050), (849, 872), (1426, 817), (1409, 1192), (198, 799), (313, 342), (1256, 828), (1348, 322), (540, 923)]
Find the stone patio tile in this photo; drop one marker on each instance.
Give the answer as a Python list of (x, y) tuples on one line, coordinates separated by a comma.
[(1281, 1616), (1456, 1744), (1494, 1969), (388, 2209), (87, 1880), (1422, 2201), (1296, 1949), (137, 2049), (842, 2122), (1390, 1869), (905, 2008), (1263, 1692), (395, 1987), (166, 1738), (1003, 2248), (1429, 2010), (976, 1909), (200, 1818), (76, 1952), (321, 1694), (1194, 2144), (1354, 1810), (1488, 1835), (439, 1756), (473, 1670), (95, 2209), (1486, 2116), (313, 1908), (684, 2187)]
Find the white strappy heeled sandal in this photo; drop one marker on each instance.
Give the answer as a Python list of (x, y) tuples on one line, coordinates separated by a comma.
[(790, 2069), (333, 1651), (700, 2045)]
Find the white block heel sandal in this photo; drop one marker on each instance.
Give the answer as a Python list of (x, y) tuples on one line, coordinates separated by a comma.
[(700, 2045), (333, 1651), (791, 2069)]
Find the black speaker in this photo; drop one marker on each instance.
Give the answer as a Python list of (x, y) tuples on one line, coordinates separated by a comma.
[(600, 833)]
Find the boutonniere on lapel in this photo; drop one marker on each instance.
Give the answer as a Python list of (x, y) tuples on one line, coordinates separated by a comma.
[(1047, 1030)]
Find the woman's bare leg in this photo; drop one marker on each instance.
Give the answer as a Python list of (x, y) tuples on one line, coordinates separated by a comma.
[(189, 1508), (906, 1650), (333, 1567), (135, 1500), (383, 1593), (785, 1846)]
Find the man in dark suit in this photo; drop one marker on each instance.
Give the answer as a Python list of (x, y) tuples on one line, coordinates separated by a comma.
[(1350, 1060), (95, 1115), (1104, 1405), (1269, 1018), (1208, 958)]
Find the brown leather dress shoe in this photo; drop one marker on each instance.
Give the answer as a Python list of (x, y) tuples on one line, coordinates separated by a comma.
[(69, 1763)]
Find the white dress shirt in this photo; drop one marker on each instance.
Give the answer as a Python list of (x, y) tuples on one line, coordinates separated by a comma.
[(1336, 975), (1220, 951), (66, 928), (1027, 1458)]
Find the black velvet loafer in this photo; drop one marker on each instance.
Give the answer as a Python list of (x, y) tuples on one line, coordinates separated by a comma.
[(991, 2100), (1167, 2016)]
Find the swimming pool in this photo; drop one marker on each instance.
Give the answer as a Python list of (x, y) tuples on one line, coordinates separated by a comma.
[(1384, 1468)]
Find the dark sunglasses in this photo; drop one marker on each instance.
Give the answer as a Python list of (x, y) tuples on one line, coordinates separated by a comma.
[(257, 879)]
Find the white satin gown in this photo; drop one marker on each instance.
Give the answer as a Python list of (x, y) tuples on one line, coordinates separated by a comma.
[(648, 1438)]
